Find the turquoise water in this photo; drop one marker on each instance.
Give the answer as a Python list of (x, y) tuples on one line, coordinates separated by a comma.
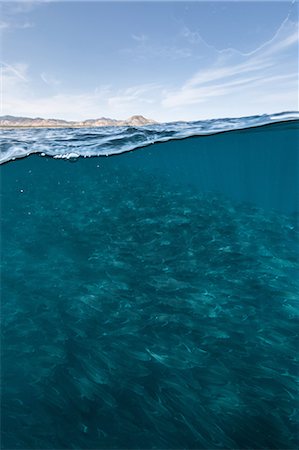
[(150, 299)]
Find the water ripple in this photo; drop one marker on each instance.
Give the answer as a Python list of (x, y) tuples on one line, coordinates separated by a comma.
[(70, 143)]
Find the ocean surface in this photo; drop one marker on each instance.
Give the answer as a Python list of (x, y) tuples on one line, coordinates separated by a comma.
[(150, 298)]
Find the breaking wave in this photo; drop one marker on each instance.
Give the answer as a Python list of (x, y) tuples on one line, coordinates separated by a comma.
[(70, 143)]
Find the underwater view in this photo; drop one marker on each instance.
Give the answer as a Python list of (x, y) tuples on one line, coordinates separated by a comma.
[(150, 297)]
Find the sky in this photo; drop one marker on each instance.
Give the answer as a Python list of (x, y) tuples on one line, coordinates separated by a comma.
[(166, 60)]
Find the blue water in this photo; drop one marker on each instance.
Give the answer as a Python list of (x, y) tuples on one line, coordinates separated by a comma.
[(150, 299)]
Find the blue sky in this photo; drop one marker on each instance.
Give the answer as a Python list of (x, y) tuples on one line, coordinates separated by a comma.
[(164, 60)]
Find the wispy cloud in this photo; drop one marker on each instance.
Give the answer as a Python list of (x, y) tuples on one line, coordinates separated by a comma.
[(14, 82), (193, 37), (148, 48), (134, 99), (139, 37), (5, 25), (14, 72), (19, 99), (235, 75), (223, 82), (15, 14), (14, 8), (49, 79)]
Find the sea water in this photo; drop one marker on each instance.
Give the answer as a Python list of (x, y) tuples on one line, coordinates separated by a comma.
[(150, 299)]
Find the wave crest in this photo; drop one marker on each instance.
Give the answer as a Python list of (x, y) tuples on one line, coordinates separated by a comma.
[(71, 143)]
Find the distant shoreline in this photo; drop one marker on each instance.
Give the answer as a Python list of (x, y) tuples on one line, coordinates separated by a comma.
[(69, 126), (39, 122)]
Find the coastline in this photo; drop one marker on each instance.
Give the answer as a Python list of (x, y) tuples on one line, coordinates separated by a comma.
[(12, 127)]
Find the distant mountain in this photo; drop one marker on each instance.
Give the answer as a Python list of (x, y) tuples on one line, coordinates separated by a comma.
[(38, 122)]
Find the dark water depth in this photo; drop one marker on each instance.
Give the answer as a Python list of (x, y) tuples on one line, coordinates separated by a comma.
[(150, 299)]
